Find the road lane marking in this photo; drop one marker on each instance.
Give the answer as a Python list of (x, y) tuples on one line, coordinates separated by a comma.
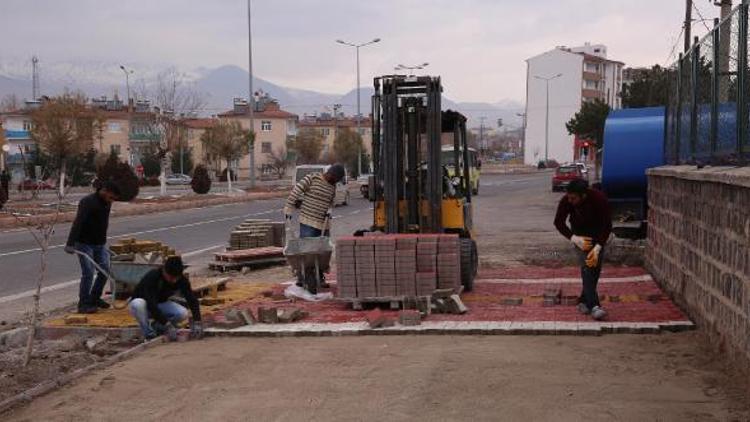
[(160, 229), (70, 283)]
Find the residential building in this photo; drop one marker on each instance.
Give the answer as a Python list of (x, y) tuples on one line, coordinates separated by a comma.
[(17, 128), (585, 74), (329, 125), (273, 128), (195, 129)]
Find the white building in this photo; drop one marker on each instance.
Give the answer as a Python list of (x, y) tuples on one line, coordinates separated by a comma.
[(585, 74)]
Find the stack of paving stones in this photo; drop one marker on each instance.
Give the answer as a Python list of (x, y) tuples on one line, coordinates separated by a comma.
[(256, 233), (404, 265), (364, 254), (345, 267)]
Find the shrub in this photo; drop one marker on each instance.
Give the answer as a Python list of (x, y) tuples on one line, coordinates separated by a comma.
[(121, 174), (201, 183)]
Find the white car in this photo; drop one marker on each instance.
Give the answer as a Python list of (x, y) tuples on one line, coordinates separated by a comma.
[(342, 193), (584, 169), (178, 179)]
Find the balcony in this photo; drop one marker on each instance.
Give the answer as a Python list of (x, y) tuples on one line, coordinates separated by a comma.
[(17, 134), (592, 76), (592, 93), (143, 137)]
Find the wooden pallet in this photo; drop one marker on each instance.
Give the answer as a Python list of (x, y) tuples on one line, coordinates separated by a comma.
[(206, 287), (243, 255), (395, 302), (225, 266)]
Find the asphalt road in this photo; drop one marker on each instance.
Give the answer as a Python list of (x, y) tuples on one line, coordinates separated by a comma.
[(195, 233)]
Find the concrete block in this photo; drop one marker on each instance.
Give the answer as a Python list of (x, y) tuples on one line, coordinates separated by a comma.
[(378, 319), (456, 305), (409, 317), (247, 317), (268, 315)]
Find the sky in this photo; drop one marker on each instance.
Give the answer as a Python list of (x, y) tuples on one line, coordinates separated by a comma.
[(479, 47)]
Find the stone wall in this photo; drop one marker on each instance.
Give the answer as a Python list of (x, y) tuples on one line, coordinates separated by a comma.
[(698, 248)]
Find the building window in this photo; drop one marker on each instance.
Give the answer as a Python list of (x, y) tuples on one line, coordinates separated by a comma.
[(265, 148), (265, 125), (325, 131), (114, 149), (26, 125), (114, 127), (592, 67), (589, 84)]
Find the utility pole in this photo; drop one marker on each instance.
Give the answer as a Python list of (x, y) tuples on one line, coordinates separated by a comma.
[(251, 97), (482, 144), (546, 116), (127, 72), (336, 108), (688, 25)]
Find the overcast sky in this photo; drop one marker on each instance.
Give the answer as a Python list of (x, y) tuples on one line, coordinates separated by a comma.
[(477, 46)]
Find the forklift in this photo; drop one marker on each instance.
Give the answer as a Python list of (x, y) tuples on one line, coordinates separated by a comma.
[(412, 189)]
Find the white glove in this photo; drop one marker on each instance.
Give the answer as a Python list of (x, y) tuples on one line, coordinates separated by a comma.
[(583, 243)]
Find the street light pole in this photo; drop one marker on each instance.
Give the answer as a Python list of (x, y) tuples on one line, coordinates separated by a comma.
[(359, 112), (546, 116), (411, 68), (251, 98), (127, 82)]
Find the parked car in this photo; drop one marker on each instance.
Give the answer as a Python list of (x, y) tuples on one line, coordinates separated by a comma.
[(364, 185), (178, 179), (584, 169), (31, 184), (342, 192), (564, 175)]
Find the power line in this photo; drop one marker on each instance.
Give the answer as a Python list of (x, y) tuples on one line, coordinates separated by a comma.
[(702, 19)]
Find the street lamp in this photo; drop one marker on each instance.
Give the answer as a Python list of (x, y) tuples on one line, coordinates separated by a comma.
[(359, 113), (411, 69), (127, 81), (546, 118)]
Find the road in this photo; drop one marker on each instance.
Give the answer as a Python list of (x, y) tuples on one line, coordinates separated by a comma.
[(195, 233)]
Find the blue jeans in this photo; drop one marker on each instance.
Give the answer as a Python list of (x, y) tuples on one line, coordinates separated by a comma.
[(174, 312), (309, 231), (88, 294)]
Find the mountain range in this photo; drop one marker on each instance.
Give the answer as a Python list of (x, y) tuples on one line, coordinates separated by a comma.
[(219, 85)]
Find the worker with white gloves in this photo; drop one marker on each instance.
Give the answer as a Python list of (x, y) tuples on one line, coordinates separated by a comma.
[(590, 219)]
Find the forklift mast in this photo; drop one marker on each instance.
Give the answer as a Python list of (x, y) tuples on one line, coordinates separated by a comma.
[(408, 126)]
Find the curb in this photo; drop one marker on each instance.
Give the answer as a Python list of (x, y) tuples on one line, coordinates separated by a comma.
[(51, 385), (66, 217), (454, 328)]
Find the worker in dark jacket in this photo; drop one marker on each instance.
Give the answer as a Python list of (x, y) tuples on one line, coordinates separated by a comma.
[(151, 300), (88, 236), (590, 227)]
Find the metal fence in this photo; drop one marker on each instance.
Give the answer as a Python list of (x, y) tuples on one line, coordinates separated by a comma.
[(707, 118)]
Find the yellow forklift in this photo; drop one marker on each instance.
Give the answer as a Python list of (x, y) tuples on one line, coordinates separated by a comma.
[(412, 191)]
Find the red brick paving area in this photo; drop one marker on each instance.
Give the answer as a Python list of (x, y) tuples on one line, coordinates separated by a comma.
[(639, 301)]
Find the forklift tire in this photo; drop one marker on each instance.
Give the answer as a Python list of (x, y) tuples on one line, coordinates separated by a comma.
[(469, 263), (311, 281)]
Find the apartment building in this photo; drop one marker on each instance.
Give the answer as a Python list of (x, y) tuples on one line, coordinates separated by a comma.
[(558, 82), (329, 125), (273, 127)]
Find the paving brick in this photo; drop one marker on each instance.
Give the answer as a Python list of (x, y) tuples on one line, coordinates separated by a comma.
[(268, 315), (409, 317)]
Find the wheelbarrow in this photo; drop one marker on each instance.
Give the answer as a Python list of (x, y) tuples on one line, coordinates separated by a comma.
[(309, 257), (126, 273)]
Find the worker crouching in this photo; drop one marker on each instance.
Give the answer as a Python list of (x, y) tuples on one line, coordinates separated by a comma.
[(150, 300)]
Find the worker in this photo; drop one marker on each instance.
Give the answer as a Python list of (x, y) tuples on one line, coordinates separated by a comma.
[(313, 196), (88, 236), (150, 300), (590, 227)]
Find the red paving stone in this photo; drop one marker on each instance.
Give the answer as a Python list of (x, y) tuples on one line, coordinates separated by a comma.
[(639, 301)]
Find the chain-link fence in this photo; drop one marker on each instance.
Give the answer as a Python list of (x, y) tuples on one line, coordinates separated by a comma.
[(707, 119)]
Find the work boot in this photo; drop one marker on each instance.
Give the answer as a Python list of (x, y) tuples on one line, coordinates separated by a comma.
[(583, 309), (87, 309), (598, 313), (101, 303)]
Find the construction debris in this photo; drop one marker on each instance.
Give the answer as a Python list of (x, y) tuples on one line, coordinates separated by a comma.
[(409, 317), (76, 319), (287, 315), (268, 315), (377, 319), (552, 297), (211, 301)]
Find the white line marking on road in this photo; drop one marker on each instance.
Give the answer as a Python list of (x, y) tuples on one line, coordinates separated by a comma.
[(70, 283), (160, 229)]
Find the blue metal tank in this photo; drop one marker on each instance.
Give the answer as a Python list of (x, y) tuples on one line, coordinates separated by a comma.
[(633, 143)]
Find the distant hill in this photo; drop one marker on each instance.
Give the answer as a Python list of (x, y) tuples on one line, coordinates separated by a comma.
[(219, 85)]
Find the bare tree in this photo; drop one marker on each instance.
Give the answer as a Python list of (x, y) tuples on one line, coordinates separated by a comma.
[(309, 145), (175, 99), (63, 127), (279, 161), (227, 139), (10, 102)]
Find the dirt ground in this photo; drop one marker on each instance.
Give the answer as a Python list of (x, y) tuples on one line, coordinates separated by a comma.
[(616, 377)]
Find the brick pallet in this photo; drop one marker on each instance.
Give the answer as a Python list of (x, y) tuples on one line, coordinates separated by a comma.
[(392, 268), (234, 260), (256, 233)]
